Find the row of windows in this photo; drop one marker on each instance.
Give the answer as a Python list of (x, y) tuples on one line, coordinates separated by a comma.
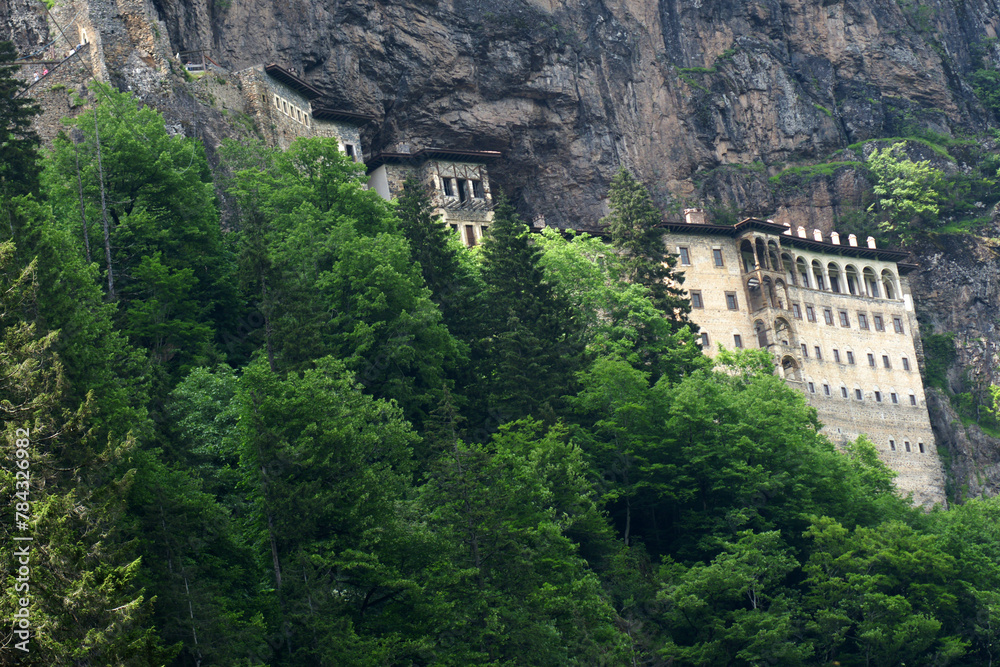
[(844, 319), (815, 276), (906, 445), (859, 394), (698, 301), (290, 110), (872, 362), (462, 188)]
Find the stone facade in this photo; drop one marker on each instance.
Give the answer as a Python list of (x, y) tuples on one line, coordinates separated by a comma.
[(839, 320), (286, 108), (457, 181)]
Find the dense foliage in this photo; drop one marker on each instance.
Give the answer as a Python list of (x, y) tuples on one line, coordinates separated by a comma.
[(333, 436)]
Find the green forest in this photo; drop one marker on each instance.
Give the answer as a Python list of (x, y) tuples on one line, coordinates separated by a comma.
[(275, 420)]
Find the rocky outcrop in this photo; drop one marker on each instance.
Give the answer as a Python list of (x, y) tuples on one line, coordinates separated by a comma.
[(971, 458)]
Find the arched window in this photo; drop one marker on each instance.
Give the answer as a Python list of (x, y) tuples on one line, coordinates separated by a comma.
[(802, 271), (889, 284), (770, 298), (818, 274), (782, 294), (790, 369), (853, 280), (774, 256), (746, 255), (871, 284), (761, 332), (761, 254), (755, 294), (782, 331), (836, 280), (789, 265)]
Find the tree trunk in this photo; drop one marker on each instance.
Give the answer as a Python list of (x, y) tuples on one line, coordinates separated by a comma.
[(104, 214), (83, 210)]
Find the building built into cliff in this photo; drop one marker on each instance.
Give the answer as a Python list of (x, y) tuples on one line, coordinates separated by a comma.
[(286, 108), (457, 180), (838, 318)]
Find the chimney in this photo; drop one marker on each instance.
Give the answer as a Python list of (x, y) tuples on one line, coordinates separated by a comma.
[(852, 240), (835, 238), (817, 235), (694, 216), (802, 232), (871, 242)]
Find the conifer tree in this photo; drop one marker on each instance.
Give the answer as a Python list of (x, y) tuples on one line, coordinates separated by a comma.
[(634, 227), (535, 345), (18, 141)]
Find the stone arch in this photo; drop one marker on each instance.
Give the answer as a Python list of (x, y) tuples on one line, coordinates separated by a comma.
[(853, 278), (747, 256), (755, 296), (789, 368), (761, 254), (774, 256), (871, 282), (817, 271), (761, 331), (803, 271), (782, 291), (783, 332), (770, 296), (789, 268), (889, 285), (836, 277)]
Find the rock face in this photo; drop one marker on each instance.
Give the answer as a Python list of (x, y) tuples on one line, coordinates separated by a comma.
[(570, 90)]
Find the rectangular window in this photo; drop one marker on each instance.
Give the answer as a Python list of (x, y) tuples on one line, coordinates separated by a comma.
[(349, 149), (906, 445), (836, 355), (463, 194), (696, 301), (863, 321), (843, 392), (913, 399), (845, 321), (796, 311), (731, 301), (894, 398), (810, 314), (717, 256), (892, 445), (812, 388), (826, 389), (871, 360), (897, 324), (878, 397), (685, 256), (470, 235), (704, 341), (805, 351), (828, 316), (738, 341), (477, 189), (879, 326), (819, 354), (449, 189), (885, 361), (906, 364), (858, 395), (920, 446), (850, 357)]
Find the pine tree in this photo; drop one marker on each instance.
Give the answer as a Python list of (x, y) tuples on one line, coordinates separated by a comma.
[(634, 227), (18, 141), (534, 344)]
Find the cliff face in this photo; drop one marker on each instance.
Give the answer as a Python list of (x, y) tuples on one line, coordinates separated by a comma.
[(571, 90)]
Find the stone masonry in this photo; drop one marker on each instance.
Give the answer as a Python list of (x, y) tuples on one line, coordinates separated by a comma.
[(839, 320)]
